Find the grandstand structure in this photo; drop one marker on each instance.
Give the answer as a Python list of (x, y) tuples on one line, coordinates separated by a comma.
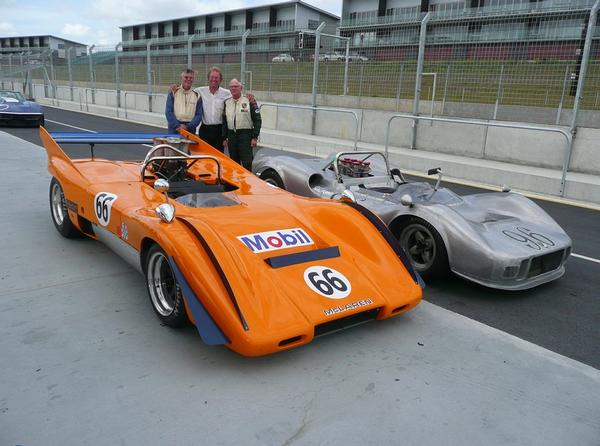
[(274, 28), (38, 44), (467, 29)]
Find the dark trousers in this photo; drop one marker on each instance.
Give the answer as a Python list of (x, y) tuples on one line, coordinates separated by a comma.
[(238, 144), (212, 134)]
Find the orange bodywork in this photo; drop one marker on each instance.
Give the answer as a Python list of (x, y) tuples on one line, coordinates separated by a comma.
[(278, 305)]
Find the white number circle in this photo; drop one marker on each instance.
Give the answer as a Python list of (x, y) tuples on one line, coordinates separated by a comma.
[(327, 282), (102, 206)]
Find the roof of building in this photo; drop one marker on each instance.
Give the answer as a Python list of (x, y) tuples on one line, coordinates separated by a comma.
[(268, 5), (43, 35)]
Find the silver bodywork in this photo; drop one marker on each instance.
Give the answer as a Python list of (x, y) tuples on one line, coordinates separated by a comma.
[(497, 239)]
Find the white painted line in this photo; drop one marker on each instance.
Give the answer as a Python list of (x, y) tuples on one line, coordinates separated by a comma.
[(81, 128), (590, 259), (69, 125)]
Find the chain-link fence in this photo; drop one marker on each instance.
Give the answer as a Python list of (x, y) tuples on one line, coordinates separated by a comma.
[(518, 60)]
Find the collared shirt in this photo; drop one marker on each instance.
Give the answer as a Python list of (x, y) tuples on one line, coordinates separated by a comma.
[(213, 104)]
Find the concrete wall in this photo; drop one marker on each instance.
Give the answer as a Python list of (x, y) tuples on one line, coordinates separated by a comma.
[(526, 147), (523, 147)]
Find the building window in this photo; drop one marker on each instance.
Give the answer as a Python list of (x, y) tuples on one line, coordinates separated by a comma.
[(313, 24), (285, 24), (261, 26), (363, 16)]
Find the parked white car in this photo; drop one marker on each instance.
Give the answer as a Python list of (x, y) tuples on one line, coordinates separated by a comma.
[(335, 56), (355, 57), (283, 58)]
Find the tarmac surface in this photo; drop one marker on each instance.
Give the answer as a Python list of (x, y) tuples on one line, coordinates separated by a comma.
[(85, 361)]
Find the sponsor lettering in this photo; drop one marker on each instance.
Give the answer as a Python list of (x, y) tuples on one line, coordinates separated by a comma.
[(273, 240), (350, 306)]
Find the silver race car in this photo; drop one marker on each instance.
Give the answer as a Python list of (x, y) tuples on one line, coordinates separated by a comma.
[(497, 239)]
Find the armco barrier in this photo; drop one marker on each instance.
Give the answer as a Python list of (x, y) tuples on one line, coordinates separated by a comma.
[(317, 109), (565, 133)]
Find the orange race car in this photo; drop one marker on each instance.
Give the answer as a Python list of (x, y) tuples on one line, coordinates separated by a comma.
[(254, 267)]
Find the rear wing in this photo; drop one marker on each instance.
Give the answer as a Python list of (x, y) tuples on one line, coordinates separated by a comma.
[(110, 138), (173, 139)]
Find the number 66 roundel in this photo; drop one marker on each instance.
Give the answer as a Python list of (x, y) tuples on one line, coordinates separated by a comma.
[(102, 205), (327, 282)]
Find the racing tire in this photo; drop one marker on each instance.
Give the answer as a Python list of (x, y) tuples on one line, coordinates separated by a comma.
[(271, 177), (163, 290), (59, 212), (424, 247)]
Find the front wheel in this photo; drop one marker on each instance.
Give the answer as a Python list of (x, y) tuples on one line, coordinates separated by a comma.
[(59, 212), (164, 291), (271, 177), (425, 248)]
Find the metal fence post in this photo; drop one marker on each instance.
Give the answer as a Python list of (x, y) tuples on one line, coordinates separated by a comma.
[(584, 64), (346, 67), (360, 83), (117, 75), (52, 74), (399, 89), (10, 70), (270, 78), (562, 96), (243, 57), (189, 50), (445, 90), (316, 75), (419, 77), (92, 73), (46, 79), (149, 73), (297, 76), (70, 70), (582, 75), (499, 93), (22, 70)]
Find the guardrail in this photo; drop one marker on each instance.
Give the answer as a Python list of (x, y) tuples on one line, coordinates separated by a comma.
[(487, 124), (316, 109), (138, 93)]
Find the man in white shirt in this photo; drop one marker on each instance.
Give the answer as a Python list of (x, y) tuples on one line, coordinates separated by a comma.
[(213, 102)]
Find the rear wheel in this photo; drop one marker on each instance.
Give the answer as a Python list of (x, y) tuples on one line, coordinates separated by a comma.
[(271, 177), (425, 248), (164, 291), (59, 212)]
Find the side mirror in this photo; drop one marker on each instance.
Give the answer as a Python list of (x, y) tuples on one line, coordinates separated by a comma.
[(166, 212), (161, 185), (406, 200), (348, 196)]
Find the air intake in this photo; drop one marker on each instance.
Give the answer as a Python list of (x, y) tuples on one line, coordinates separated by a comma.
[(346, 322)]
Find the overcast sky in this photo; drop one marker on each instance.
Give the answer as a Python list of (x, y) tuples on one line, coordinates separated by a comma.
[(97, 22)]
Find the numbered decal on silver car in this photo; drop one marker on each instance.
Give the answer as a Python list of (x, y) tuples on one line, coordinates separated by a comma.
[(531, 239), (327, 282), (102, 205)]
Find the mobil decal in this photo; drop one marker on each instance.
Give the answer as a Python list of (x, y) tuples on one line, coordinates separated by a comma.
[(273, 240)]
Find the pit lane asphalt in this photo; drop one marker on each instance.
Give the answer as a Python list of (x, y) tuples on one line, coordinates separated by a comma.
[(562, 316)]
